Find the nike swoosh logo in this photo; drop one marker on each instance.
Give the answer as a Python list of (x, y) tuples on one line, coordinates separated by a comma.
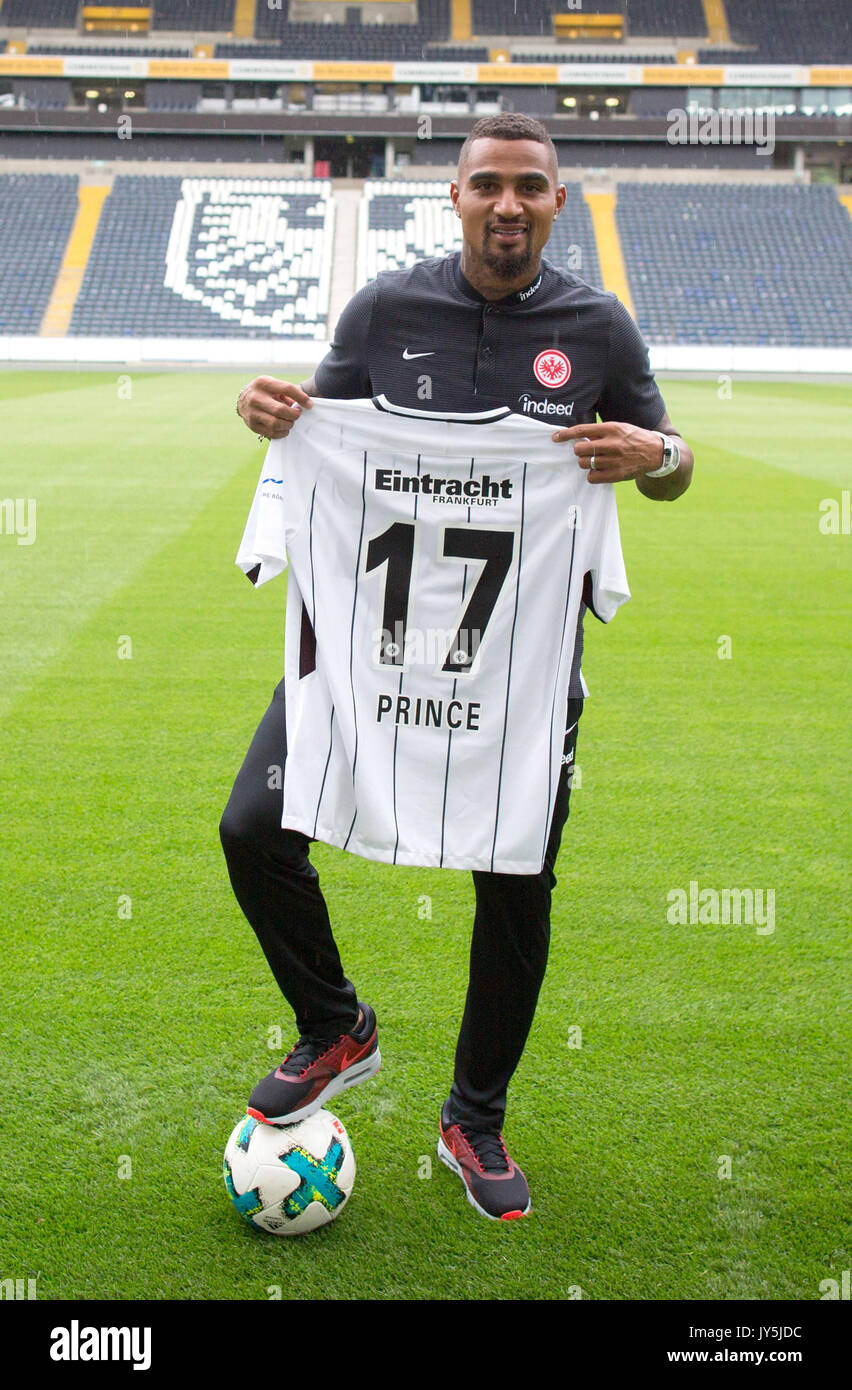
[(409, 355)]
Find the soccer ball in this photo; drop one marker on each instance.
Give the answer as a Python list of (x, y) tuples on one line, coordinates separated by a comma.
[(289, 1179)]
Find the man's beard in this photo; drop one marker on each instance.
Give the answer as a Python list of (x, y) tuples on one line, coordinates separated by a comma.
[(506, 267)]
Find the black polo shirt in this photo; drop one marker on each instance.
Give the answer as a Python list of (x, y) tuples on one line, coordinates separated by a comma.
[(558, 351)]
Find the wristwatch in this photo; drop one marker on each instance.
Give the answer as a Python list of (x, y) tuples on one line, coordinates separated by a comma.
[(671, 458)]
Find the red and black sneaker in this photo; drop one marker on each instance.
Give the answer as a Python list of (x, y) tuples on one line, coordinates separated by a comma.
[(315, 1070), (494, 1184)]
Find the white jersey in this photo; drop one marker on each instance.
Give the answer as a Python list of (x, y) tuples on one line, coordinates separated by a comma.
[(437, 566)]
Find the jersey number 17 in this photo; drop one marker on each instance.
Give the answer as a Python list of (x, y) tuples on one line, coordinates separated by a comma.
[(395, 548)]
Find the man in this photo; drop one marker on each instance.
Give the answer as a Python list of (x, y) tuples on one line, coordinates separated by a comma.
[(492, 326)]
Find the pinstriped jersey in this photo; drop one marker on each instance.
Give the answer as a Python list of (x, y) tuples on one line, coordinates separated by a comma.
[(558, 350), (436, 569)]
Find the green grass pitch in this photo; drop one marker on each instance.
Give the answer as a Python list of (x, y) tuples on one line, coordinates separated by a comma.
[(679, 1110)]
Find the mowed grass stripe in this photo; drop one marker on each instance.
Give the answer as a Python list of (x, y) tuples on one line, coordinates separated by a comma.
[(803, 428), (116, 468), (729, 772), (153, 1027), (697, 1041)]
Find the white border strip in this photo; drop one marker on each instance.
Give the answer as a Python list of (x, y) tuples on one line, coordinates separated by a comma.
[(786, 361)]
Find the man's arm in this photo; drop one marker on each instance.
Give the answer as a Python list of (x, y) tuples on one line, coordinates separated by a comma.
[(629, 392), (622, 451), (667, 489), (270, 407)]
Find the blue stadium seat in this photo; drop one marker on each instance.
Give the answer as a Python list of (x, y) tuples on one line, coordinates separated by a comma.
[(37, 212), (738, 263), (204, 258), (787, 31), (41, 14)]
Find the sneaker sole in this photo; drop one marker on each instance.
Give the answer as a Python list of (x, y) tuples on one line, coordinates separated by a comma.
[(361, 1071), (446, 1156)]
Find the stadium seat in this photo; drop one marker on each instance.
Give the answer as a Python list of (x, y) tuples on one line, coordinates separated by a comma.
[(41, 14), (37, 212), (738, 263), (192, 258), (787, 32)]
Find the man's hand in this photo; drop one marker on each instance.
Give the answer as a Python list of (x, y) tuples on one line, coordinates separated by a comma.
[(611, 451), (270, 407)]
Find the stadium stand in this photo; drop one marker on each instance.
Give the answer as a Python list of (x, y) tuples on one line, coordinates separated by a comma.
[(209, 258), (787, 31), (368, 43), (40, 14), (188, 16), (110, 50), (738, 263), (660, 18), (566, 56), (433, 22), (180, 256), (572, 241), (447, 53), (402, 222), (37, 212), (353, 40), (207, 16), (338, 42), (727, 263), (645, 18)]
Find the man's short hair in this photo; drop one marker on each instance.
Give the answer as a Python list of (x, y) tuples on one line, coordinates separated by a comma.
[(509, 125)]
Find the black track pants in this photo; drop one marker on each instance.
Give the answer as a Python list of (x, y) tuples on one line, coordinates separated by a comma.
[(278, 889)]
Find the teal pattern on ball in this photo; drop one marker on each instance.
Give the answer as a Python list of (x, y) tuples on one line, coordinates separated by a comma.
[(317, 1179), (249, 1203)]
